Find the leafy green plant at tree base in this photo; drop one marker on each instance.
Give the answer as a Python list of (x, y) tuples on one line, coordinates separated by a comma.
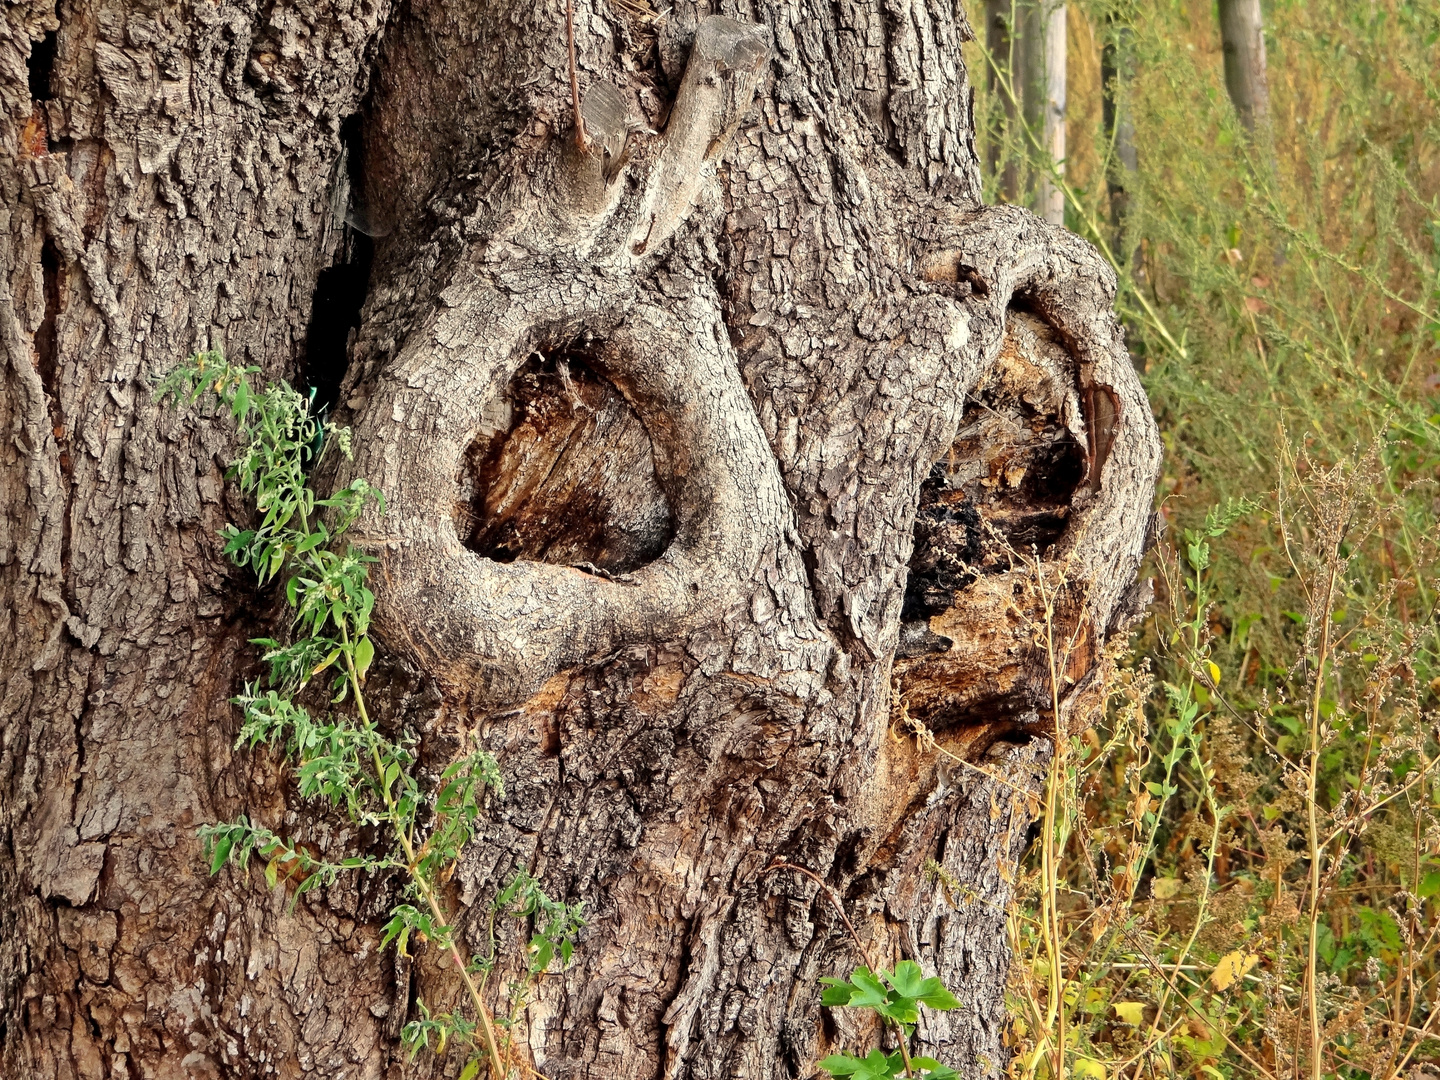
[(345, 760), (896, 998)]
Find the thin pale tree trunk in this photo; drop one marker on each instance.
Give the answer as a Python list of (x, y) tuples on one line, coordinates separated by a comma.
[(1116, 69), (1000, 18), (1043, 65), (1242, 36)]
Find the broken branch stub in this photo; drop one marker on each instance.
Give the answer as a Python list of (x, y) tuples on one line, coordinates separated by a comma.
[(725, 67)]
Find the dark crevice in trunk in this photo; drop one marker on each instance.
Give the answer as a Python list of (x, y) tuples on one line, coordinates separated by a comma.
[(40, 64), (339, 297), (47, 365), (340, 290), (46, 360)]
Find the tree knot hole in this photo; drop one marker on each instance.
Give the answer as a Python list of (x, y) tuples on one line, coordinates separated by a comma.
[(563, 472)]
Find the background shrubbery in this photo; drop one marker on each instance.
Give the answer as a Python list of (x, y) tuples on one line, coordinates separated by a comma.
[(1239, 871)]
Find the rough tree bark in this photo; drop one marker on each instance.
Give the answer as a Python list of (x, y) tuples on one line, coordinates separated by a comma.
[(706, 443)]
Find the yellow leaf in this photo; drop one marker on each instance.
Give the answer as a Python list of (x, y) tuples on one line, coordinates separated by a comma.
[(1131, 1012), (1214, 670), (1165, 888), (1231, 967), (1089, 1067)]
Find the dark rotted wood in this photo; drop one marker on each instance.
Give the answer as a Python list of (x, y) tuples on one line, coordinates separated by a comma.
[(571, 479)]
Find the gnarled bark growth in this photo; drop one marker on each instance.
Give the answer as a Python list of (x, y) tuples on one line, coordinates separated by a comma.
[(688, 431)]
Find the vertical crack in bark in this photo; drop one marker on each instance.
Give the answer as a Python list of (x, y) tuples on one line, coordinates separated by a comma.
[(334, 313), (46, 358), (340, 289), (47, 366)]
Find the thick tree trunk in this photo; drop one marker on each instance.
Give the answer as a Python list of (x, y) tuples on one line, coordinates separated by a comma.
[(716, 447), (1242, 35)]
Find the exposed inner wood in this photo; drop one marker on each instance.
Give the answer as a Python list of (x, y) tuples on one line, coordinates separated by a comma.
[(1015, 466), (567, 476), (998, 499)]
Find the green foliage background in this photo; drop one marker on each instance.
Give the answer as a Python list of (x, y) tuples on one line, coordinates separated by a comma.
[(1282, 294)]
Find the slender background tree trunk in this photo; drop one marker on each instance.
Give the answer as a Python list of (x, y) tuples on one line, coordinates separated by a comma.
[(1242, 34), (1043, 75), (1116, 60), (691, 435), (1000, 41)]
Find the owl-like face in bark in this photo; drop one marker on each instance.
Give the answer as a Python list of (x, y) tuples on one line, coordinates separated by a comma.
[(798, 538)]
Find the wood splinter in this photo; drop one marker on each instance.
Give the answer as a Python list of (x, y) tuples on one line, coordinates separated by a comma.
[(580, 139)]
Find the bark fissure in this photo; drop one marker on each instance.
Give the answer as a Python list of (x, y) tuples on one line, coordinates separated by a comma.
[(40, 63)]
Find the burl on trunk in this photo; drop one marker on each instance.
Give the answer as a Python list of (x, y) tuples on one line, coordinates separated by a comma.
[(725, 445)]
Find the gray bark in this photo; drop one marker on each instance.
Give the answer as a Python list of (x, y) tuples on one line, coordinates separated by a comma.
[(758, 344), (1242, 36)]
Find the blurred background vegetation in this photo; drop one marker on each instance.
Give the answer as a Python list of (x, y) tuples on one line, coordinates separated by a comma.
[(1239, 871)]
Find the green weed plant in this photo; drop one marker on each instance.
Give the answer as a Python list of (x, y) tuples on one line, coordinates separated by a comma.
[(1238, 868), (342, 758), (895, 997)]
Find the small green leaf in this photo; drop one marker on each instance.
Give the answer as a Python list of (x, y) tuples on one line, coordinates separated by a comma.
[(836, 994), (935, 995), (364, 654), (220, 854), (869, 991), (907, 978), (933, 1070)]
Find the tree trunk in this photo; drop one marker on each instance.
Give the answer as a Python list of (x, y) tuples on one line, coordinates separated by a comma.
[(1000, 17), (1043, 76), (1242, 36), (716, 447), (1116, 69)]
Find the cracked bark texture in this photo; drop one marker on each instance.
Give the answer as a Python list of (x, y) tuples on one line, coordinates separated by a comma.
[(710, 447)]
